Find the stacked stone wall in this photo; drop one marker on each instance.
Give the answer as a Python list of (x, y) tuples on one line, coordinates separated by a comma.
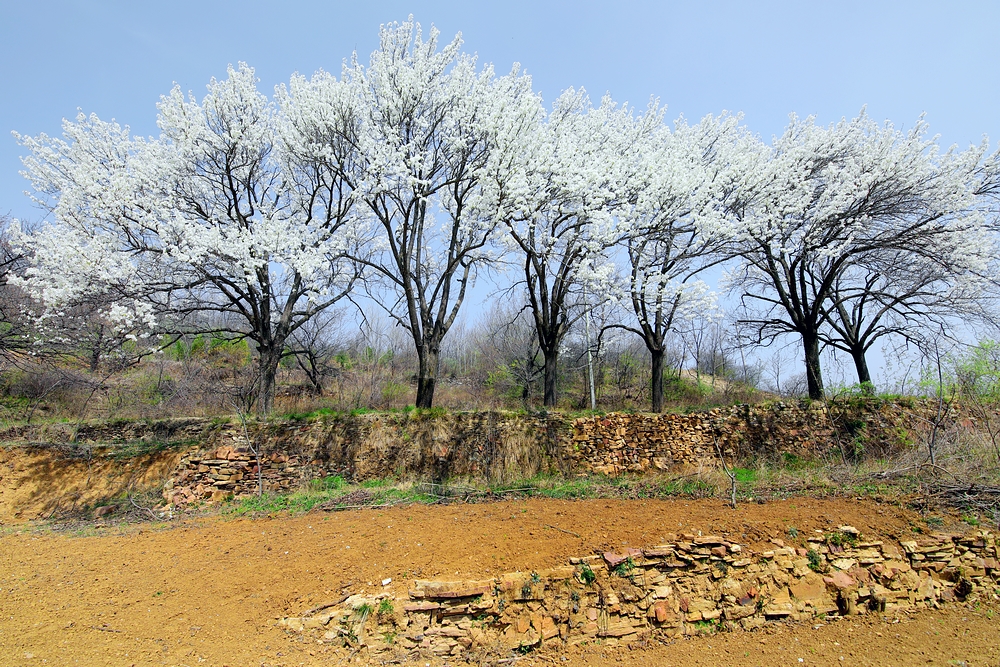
[(619, 443), (497, 446), (487, 445), (692, 585)]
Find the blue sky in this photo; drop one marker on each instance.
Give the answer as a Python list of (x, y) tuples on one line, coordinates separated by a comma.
[(765, 59)]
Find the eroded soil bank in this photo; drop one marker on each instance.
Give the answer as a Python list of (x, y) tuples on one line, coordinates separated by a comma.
[(39, 483), (209, 592)]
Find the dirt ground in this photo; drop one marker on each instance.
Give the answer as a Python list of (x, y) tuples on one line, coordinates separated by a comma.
[(208, 592)]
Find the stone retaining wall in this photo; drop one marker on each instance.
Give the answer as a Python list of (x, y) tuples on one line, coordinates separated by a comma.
[(503, 446), (694, 584), (617, 443)]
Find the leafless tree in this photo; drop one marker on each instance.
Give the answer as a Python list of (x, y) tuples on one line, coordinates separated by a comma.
[(509, 349), (314, 346)]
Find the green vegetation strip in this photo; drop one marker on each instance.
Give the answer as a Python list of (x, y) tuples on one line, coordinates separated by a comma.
[(790, 477), (334, 493)]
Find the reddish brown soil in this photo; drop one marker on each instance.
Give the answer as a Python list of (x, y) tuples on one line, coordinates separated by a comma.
[(36, 484), (208, 592)]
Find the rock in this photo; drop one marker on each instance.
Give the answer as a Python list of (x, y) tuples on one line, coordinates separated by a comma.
[(844, 563), (445, 632), (740, 611), (840, 580), (808, 589), (780, 604), (547, 627), (293, 624), (662, 612), (614, 560), (661, 592), (660, 551), (925, 591), (446, 590), (618, 630)]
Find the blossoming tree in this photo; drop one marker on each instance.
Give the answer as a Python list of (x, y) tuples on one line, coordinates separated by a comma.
[(436, 136), (665, 250), (233, 215), (571, 173), (821, 201)]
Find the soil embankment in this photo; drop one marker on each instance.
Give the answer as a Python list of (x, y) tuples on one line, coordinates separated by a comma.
[(55, 470), (43, 482)]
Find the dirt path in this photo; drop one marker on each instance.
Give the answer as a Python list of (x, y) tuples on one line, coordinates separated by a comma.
[(207, 593)]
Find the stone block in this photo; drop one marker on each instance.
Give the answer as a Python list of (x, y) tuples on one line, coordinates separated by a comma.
[(618, 630), (840, 580), (808, 589), (843, 563), (779, 604), (444, 590), (737, 612)]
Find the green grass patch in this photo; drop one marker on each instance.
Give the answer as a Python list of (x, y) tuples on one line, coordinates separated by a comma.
[(333, 483), (336, 493), (333, 493)]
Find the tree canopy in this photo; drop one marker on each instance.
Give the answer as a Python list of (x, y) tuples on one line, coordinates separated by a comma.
[(402, 181)]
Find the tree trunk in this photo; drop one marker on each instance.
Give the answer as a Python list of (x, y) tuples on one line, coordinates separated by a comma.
[(657, 388), (551, 375), (814, 375), (861, 365), (269, 358), (427, 377), (95, 352)]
